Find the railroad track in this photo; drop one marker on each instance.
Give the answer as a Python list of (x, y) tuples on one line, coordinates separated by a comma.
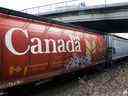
[(96, 82)]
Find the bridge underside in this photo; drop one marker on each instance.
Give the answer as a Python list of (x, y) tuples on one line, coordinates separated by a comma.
[(110, 26), (113, 19)]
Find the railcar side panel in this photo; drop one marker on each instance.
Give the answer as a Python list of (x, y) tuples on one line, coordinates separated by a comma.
[(33, 50), (119, 47), (95, 48)]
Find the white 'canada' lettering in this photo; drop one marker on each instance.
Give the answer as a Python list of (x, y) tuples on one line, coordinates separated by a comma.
[(42, 46)]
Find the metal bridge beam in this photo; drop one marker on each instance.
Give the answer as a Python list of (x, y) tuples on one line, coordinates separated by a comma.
[(93, 16)]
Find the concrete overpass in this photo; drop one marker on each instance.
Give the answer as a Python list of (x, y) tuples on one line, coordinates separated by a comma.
[(110, 13), (112, 18)]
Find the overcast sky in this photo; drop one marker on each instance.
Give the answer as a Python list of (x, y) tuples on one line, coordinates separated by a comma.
[(23, 4)]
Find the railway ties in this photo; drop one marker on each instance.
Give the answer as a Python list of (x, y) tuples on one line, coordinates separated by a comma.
[(106, 82)]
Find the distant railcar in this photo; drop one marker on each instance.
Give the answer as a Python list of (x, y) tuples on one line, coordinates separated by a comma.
[(32, 48), (119, 46)]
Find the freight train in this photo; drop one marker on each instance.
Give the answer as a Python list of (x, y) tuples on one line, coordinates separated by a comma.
[(34, 48)]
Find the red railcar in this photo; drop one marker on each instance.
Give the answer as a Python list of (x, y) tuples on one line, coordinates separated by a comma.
[(33, 48)]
